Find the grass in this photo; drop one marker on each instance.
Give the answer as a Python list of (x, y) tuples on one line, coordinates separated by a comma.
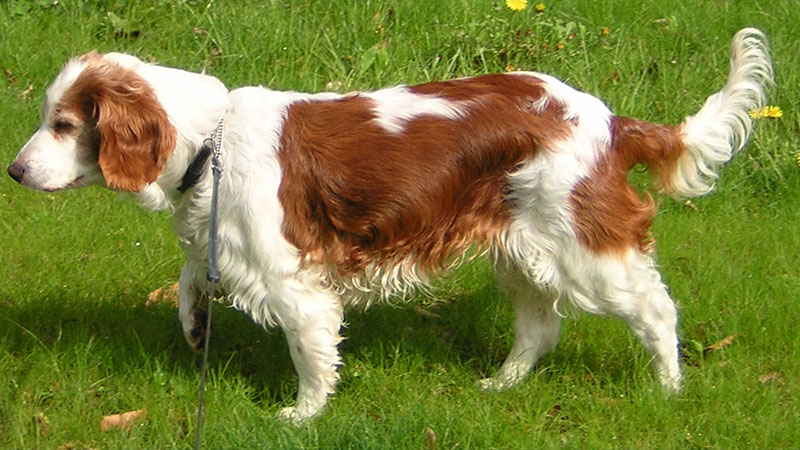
[(77, 341)]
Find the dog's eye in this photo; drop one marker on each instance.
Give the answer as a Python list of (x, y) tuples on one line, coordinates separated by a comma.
[(62, 126)]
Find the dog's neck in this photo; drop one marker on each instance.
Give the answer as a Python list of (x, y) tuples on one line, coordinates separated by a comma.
[(194, 120), (211, 147), (196, 169), (187, 169)]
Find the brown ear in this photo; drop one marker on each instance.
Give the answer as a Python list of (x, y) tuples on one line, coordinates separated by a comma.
[(136, 138)]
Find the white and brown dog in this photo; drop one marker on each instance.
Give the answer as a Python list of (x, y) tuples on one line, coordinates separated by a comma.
[(332, 200)]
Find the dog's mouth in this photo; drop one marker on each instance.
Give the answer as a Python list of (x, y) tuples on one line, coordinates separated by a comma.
[(74, 184)]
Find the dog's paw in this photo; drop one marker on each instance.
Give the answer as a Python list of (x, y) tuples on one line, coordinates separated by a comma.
[(497, 383), (293, 416), (671, 383), (491, 385), (196, 337)]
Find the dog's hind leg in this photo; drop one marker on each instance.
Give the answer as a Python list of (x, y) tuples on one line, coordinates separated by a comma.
[(628, 286), (654, 323), (653, 318), (537, 328)]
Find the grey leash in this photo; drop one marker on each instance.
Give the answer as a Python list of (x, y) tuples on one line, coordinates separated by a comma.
[(213, 274)]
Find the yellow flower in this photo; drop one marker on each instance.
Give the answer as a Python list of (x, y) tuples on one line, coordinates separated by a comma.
[(540, 7), (772, 112), (605, 31), (517, 5)]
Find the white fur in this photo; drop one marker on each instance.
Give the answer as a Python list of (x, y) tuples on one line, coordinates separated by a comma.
[(396, 106), (54, 163), (722, 126)]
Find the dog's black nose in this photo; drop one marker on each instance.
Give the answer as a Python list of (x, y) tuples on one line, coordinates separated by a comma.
[(16, 171)]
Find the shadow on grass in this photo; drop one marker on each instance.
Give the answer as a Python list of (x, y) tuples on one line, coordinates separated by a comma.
[(468, 329), (471, 330)]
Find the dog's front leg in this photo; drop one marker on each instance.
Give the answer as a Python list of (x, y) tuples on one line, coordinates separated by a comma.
[(192, 309), (312, 331)]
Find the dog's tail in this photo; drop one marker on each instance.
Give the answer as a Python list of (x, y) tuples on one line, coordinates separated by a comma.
[(685, 159)]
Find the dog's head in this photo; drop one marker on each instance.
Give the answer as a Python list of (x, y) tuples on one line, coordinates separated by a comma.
[(113, 120)]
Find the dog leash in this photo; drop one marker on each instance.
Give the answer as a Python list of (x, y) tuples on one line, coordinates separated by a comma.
[(214, 147)]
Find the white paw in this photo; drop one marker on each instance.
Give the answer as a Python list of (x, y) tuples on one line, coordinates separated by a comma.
[(672, 384), (492, 385), (293, 415)]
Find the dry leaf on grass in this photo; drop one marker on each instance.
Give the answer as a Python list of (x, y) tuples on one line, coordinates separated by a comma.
[(773, 377), (722, 343), (10, 75), (430, 438), (167, 294), (122, 421)]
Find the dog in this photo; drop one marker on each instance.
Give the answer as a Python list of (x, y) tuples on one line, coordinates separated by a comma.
[(335, 200)]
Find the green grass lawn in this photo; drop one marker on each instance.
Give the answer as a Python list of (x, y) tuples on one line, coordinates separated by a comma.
[(77, 341)]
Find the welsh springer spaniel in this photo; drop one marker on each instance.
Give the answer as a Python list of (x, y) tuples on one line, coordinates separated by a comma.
[(332, 200)]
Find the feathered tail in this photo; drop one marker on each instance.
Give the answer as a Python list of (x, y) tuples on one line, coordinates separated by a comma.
[(685, 159)]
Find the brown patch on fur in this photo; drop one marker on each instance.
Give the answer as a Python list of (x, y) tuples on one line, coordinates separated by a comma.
[(611, 216), (659, 147), (513, 88), (355, 194), (132, 137)]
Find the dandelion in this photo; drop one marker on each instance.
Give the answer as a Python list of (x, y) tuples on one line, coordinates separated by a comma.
[(605, 31), (509, 68), (771, 112), (560, 46), (540, 7), (517, 5)]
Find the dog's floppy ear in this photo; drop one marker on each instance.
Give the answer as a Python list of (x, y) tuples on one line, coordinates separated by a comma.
[(133, 135)]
